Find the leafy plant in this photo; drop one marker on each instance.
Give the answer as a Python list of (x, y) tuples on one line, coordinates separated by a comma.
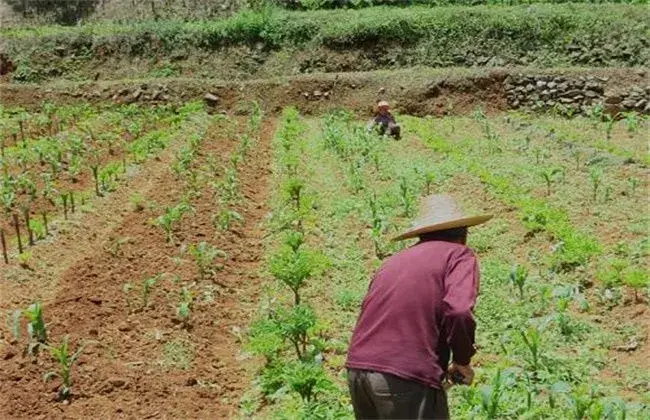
[(147, 288), (226, 217), (532, 340), (185, 305), (596, 177), (491, 396), (307, 379), (66, 361), (172, 217), (294, 267), (36, 328), (518, 277), (204, 255), (637, 280)]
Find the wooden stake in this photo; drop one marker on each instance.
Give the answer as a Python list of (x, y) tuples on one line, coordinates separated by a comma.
[(17, 226), (47, 230), (72, 201), (4, 246), (30, 234), (64, 198)]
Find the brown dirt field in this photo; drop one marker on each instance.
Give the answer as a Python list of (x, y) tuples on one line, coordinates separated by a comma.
[(123, 371)]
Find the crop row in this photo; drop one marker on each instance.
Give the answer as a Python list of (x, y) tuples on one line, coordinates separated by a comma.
[(362, 190)]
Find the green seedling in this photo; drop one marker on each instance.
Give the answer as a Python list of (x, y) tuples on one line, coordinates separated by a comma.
[(185, 305), (550, 176), (36, 329), (294, 187), (205, 255), (226, 218), (518, 277), (596, 177), (65, 360), (147, 287), (406, 197), (633, 183), (631, 121), (171, 218), (491, 396), (532, 340), (293, 268), (638, 280)]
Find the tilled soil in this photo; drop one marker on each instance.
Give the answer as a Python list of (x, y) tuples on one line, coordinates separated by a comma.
[(141, 363)]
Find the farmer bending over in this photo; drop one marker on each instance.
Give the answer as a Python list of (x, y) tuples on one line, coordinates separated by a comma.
[(385, 120), (416, 315)]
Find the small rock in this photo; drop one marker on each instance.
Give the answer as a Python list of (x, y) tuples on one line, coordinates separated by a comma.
[(318, 93), (117, 382), (551, 85), (381, 91), (124, 327), (191, 382), (641, 104), (6, 352), (95, 300), (541, 83), (211, 100), (326, 95), (613, 99), (591, 94)]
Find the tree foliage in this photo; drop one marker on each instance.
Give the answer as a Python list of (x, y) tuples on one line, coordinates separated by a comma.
[(64, 12)]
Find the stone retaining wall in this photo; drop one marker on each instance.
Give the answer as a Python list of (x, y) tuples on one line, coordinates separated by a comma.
[(578, 94)]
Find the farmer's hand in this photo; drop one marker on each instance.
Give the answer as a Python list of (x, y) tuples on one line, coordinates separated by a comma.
[(464, 371)]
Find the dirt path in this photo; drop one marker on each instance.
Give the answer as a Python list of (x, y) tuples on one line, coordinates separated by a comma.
[(143, 363)]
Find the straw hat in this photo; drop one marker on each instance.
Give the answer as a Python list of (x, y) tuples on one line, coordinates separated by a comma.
[(440, 212), (383, 104)]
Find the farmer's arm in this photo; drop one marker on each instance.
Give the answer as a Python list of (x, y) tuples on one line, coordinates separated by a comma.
[(372, 123), (461, 288)]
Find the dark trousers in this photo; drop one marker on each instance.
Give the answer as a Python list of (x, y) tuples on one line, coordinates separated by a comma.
[(378, 395), (391, 129)]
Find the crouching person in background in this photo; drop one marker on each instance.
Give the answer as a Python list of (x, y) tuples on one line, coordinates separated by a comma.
[(385, 122)]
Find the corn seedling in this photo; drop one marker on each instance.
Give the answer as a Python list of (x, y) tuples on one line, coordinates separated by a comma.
[(491, 396), (38, 228), (25, 258), (204, 255), (633, 184), (36, 329), (293, 187), (596, 177), (147, 287), (65, 360), (225, 219), (406, 197), (185, 305), (518, 277), (171, 218), (562, 317), (550, 176), (532, 340)]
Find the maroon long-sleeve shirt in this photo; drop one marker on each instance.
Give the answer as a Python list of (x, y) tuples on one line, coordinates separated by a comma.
[(417, 311)]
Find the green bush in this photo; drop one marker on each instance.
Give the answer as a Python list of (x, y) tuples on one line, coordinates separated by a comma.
[(547, 35)]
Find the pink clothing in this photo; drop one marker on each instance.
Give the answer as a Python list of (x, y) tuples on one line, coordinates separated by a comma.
[(417, 311)]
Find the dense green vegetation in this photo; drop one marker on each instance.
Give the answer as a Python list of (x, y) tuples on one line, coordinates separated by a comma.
[(550, 269), (545, 35)]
